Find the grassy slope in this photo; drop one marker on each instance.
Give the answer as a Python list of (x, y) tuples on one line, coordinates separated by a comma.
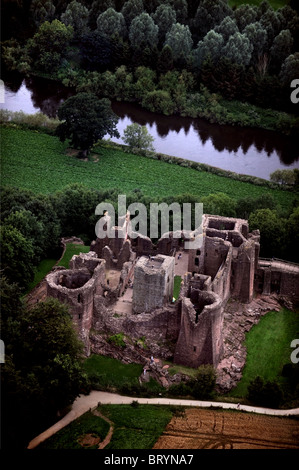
[(268, 348), (71, 250), (39, 162)]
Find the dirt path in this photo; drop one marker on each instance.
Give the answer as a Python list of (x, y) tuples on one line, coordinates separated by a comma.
[(107, 439)]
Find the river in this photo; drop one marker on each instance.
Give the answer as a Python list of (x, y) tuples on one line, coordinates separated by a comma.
[(249, 151)]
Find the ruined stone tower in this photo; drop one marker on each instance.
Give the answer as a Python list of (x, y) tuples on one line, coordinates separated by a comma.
[(153, 283)]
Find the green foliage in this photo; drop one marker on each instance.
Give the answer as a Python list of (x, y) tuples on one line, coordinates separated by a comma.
[(111, 22), (86, 119), (285, 176), (117, 340), (219, 204), (138, 136), (48, 46), (17, 255), (76, 15), (204, 384), (180, 41), (272, 229), (68, 438), (43, 371), (143, 32), (262, 393)]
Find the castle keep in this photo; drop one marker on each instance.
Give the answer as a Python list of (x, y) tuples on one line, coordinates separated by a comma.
[(125, 285)]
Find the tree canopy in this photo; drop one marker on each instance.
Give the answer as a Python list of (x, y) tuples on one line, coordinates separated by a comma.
[(86, 119)]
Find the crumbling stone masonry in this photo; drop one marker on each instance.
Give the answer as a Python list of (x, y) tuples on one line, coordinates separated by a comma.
[(77, 287), (153, 283)]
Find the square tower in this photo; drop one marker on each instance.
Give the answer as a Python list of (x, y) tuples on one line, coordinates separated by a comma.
[(153, 282)]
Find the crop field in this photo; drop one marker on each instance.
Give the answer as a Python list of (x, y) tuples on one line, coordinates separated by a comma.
[(209, 429), (39, 162)]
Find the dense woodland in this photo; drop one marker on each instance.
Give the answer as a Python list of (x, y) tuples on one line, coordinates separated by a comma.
[(172, 57)]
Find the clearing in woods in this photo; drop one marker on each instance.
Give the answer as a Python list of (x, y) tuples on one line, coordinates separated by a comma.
[(207, 429)]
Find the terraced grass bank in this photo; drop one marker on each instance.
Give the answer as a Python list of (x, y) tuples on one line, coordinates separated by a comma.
[(39, 162)]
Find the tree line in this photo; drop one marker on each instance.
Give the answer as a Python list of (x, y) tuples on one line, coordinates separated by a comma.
[(155, 52), (33, 224)]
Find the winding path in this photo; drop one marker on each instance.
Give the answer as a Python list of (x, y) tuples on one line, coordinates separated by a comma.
[(85, 403)]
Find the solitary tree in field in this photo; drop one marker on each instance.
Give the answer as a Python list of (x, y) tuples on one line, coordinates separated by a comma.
[(85, 120), (137, 136)]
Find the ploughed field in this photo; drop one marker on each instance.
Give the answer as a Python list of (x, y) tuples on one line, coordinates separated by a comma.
[(209, 429)]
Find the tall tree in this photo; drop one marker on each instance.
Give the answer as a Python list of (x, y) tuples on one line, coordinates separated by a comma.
[(164, 17), (238, 49), (180, 41), (49, 45), (245, 15), (42, 10), (290, 69), (209, 14), (76, 15), (112, 23), (86, 119), (227, 28), (211, 46), (280, 50), (257, 36), (131, 9), (143, 32)]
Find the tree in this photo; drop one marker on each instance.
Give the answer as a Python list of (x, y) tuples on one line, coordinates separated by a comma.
[(209, 14), (205, 382), (210, 47), (180, 41), (227, 28), (219, 204), (17, 256), (86, 119), (290, 69), (264, 393), (165, 60), (43, 370), (98, 7), (272, 229), (131, 9), (76, 15), (49, 45), (137, 136), (281, 49), (245, 15), (283, 176), (96, 51), (42, 10), (257, 36), (238, 49), (111, 23), (143, 32), (164, 17)]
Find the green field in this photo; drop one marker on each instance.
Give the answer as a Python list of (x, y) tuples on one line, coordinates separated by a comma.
[(135, 427), (274, 3), (268, 348), (39, 162), (42, 270)]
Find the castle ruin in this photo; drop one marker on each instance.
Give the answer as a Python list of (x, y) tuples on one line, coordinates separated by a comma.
[(126, 285)]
